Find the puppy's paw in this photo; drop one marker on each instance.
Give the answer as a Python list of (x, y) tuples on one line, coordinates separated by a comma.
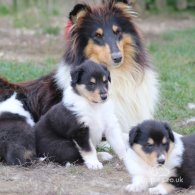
[(134, 188), (160, 190), (104, 156), (94, 165)]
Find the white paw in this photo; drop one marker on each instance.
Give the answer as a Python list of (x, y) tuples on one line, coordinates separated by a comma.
[(95, 165), (134, 188), (158, 190), (104, 156)]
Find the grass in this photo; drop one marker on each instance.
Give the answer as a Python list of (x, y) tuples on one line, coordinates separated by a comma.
[(24, 71), (174, 59)]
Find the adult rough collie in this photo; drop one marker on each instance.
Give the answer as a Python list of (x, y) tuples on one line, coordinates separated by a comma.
[(160, 160), (17, 138), (70, 130), (105, 34)]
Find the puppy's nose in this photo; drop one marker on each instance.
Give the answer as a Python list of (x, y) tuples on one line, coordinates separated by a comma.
[(161, 160), (116, 57), (103, 96)]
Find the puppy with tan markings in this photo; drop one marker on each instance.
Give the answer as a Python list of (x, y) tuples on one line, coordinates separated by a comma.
[(71, 130), (160, 159)]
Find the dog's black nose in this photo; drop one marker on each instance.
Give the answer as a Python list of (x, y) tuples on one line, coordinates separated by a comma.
[(161, 161), (103, 96), (117, 57)]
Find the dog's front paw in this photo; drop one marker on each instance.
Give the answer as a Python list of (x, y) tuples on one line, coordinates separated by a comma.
[(134, 188), (104, 156), (95, 165), (160, 190)]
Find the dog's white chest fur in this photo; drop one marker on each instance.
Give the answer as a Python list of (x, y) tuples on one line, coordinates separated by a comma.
[(94, 116)]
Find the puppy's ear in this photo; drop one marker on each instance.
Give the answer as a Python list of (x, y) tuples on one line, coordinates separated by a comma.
[(76, 75), (170, 132), (133, 134), (78, 11)]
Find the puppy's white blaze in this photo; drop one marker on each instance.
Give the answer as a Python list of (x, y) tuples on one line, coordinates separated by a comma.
[(90, 158), (135, 100), (161, 157), (14, 106), (62, 76)]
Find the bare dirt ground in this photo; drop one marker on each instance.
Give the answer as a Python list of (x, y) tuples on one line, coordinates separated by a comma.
[(51, 179)]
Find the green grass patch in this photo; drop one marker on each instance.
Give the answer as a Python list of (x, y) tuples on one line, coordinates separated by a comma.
[(175, 60), (52, 30), (4, 10), (17, 72)]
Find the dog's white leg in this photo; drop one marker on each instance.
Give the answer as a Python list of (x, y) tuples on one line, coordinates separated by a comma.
[(162, 188), (90, 157), (113, 135), (139, 184)]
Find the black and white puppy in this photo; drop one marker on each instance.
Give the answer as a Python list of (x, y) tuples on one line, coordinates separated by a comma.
[(160, 159), (17, 138), (71, 130)]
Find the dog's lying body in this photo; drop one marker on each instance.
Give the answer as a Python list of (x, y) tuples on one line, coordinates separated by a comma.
[(70, 130), (17, 139), (159, 159)]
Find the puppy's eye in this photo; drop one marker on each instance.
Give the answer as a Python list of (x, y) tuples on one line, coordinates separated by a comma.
[(98, 35), (149, 145), (92, 84), (106, 82)]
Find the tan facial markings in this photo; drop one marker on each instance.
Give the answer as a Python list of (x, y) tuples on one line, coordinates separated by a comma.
[(150, 159), (93, 80), (115, 28), (99, 32), (93, 96), (164, 141), (150, 141)]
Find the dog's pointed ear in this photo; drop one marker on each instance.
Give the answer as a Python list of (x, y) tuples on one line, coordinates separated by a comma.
[(133, 134), (76, 75), (170, 132), (78, 11)]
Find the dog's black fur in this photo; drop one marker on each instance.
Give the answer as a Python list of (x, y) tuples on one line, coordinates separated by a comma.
[(17, 138), (59, 129)]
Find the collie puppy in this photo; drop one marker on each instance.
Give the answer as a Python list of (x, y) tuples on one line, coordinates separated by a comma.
[(160, 160), (17, 139), (70, 130), (105, 34)]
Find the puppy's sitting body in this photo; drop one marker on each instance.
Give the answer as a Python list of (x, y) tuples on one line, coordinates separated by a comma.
[(160, 160), (71, 130), (17, 139)]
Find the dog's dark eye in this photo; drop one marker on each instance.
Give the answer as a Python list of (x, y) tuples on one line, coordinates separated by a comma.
[(149, 145), (98, 35), (106, 82), (92, 84)]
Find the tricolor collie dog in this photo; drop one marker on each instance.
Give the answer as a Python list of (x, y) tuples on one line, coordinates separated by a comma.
[(70, 130), (105, 34), (160, 160), (17, 138)]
